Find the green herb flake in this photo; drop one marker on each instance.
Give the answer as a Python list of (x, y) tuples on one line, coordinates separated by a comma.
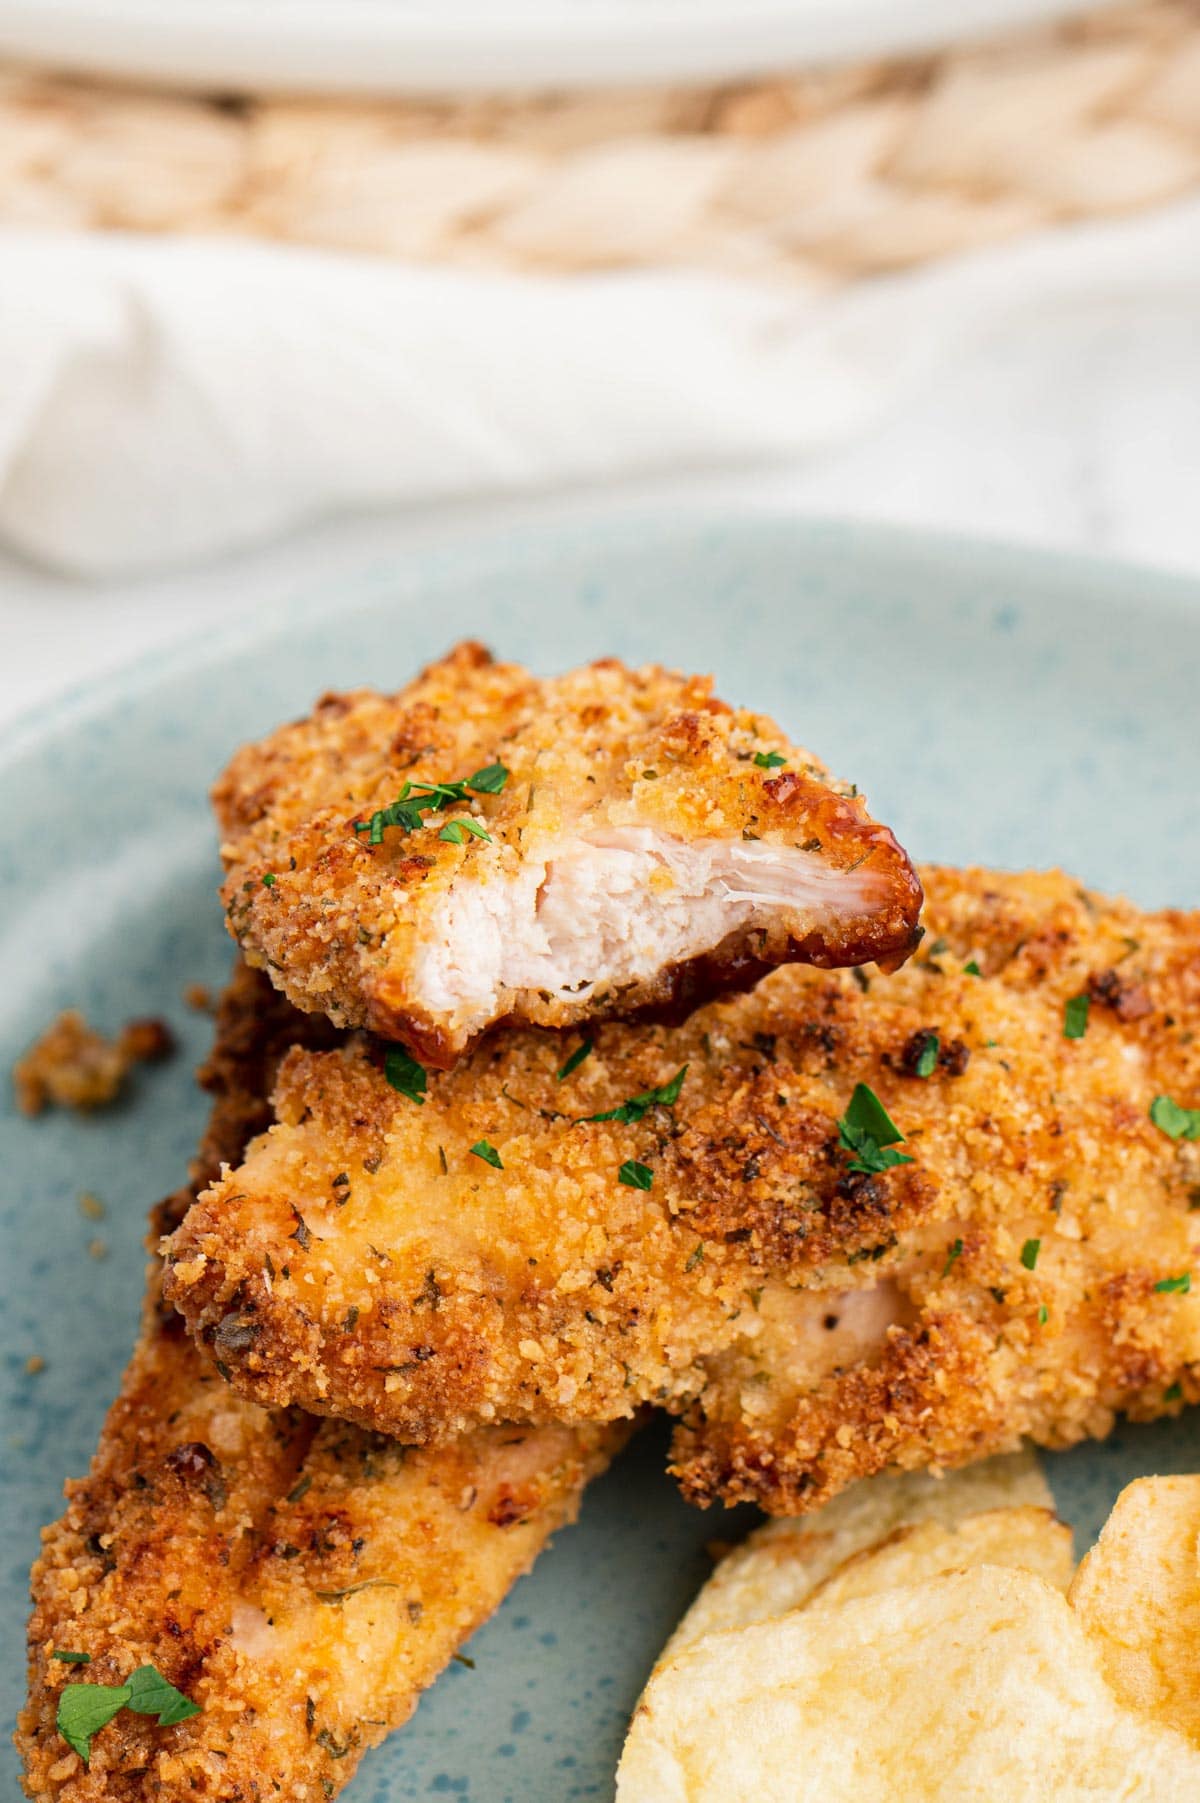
[(1174, 1121), (1043, 1315), (769, 760), (405, 1074), (664, 1096), (152, 1694), (1075, 1017), (576, 1059), (1029, 1254), (415, 800), (927, 1060), (1174, 1393), (339, 1596), (485, 1150), (971, 969), (83, 1709), (488, 781), (456, 831), (634, 1175), (868, 1131), (269, 880), (695, 1257), (954, 1254), (73, 1658), (1174, 1286)]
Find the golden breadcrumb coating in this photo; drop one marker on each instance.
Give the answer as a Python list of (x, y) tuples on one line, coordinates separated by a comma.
[(1027, 1273), (303, 1581), (631, 844)]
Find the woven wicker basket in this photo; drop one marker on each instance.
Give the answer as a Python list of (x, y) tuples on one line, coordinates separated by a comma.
[(837, 174)]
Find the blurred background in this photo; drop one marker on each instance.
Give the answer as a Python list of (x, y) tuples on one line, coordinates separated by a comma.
[(288, 285)]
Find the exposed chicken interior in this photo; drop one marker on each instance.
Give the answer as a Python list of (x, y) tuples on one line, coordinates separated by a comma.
[(612, 908)]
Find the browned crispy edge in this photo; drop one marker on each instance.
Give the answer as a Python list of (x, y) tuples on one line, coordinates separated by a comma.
[(149, 1506)]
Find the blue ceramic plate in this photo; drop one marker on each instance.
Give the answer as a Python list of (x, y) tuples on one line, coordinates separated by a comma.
[(996, 706)]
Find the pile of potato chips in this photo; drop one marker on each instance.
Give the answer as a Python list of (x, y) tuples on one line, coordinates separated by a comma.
[(926, 1639)]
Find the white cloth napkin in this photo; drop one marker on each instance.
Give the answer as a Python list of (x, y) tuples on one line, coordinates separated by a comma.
[(162, 401)]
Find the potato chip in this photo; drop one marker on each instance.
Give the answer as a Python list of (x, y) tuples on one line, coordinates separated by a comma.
[(976, 1685), (1026, 1539), (781, 1564), (1137, 1593)]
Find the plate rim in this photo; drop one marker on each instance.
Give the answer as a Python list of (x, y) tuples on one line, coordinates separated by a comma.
[(373, 49), (457, 552)]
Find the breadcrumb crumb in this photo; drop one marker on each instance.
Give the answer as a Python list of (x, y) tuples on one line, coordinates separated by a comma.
[(74, 1066)]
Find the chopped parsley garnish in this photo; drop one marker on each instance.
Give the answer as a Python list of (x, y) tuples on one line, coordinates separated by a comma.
[(954, 1253), (769, 760), (1075, 1017), (1043, 1315), (664, 1096), (415, 800), (488, 781), (269, 880), (1174, 1286), (455, 831), (1173, 1393), (695, 1257), (971, 969), (869, 1132), (576, 1059), (73, 1658), (83, 1709), (1174, 1121), (1029, 1254), (927, 1057), (339, 1596), (152, 1694), (485, 1150), (634, 1175), (405, 1074)]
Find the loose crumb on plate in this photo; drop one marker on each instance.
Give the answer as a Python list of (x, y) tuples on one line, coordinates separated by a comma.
[(34, 1364), (199, 997), (91, 1207), (73, 1066)]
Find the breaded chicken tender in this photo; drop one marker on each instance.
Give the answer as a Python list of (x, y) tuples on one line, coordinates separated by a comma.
[(301, 1580), (716, 1219), (488, 845)]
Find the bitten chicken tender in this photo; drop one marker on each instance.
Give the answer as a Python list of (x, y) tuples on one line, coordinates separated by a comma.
[(300, 1580), (813, 1311), (488, 845)]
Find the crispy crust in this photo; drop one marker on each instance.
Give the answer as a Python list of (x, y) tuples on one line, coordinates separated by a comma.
[(547, 1290), (211, 1538), (339, 921)]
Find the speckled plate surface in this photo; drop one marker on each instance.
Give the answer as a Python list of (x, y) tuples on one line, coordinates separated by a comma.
[(996, 706)]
